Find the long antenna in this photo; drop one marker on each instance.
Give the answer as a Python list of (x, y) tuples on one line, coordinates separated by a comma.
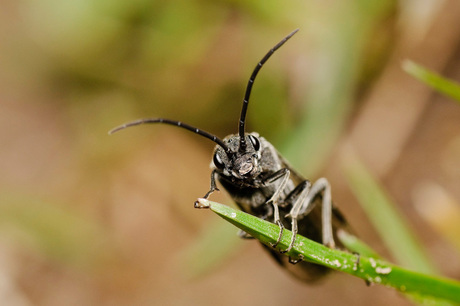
[(249, 88), (175, 123)]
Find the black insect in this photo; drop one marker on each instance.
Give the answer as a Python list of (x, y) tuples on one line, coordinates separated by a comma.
[(263, 184)]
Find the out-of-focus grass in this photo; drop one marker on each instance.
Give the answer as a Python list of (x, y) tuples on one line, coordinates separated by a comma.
[(383, 214), (328, 102), (61, 234), (217, 242), (432, 79), (447, 211), (443, 217)]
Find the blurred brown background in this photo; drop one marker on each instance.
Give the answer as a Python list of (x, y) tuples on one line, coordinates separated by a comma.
[(92, 219)]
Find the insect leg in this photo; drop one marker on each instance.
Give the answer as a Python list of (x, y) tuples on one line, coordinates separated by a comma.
[(299, 194), (213, 184), (211, 189), (300, 209), (284, 174)]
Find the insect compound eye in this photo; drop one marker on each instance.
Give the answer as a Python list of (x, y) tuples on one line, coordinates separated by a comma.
[(255, 142), (218, 161)]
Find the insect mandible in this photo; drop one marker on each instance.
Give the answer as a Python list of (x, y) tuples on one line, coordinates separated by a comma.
[(263, 184)]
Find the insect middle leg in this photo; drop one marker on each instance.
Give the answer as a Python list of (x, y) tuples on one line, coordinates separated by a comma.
[(282, 174), (305, 203)]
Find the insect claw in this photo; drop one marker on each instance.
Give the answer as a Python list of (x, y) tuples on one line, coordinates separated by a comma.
[(201, 203), (296, 261), (287, 250), (278, 222)]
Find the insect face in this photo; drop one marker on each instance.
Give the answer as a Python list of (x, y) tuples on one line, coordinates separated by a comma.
[(235, 163)]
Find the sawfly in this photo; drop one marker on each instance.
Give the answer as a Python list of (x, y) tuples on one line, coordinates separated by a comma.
[(263, 184)]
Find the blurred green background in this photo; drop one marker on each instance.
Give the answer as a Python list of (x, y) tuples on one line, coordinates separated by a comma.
[(92, 219)]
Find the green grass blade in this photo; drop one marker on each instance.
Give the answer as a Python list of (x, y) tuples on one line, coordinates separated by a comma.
[(432, 79), (369, 269)]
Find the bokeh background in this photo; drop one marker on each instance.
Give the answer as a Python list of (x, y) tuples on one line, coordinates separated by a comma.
[(92, 219)]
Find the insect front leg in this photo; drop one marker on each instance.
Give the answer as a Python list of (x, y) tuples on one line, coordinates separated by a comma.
[(213, 184), (211, 189), (284, 174), (304, 205)]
